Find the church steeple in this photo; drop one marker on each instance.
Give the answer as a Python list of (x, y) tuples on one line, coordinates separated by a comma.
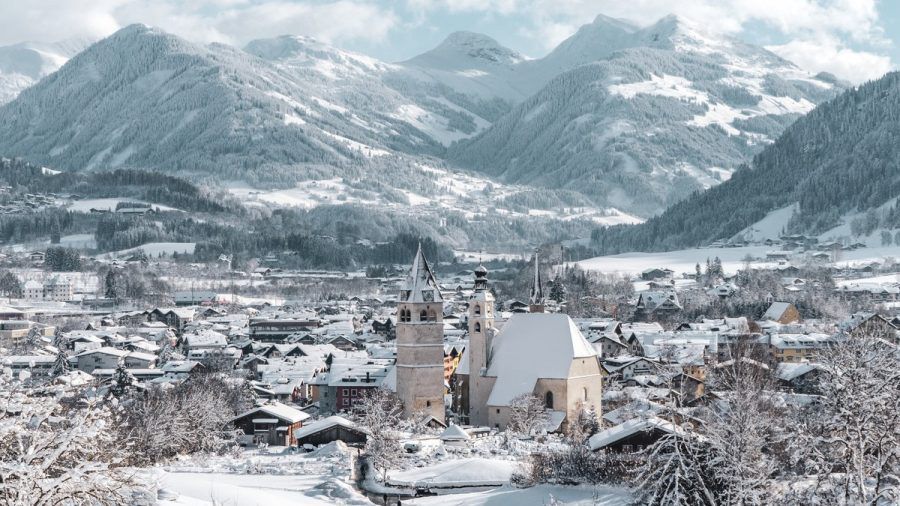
[(481, 273), (536, 299), (420, 284)]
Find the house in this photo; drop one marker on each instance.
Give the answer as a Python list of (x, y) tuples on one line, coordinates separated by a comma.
[(37, 366), (58, 288), (656, 273), (797, 347), (13, 332), (139, 360), (272, 423), (661, 303), (176, 318), (33, 290), (100, 358), (870, 325), (181, 369), (195, 298), (278, 330), (326, 430), (801, 378), (609, 345), (782, 312), (632, 436)]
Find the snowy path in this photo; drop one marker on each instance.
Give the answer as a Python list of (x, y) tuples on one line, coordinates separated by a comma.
[(509, 496)]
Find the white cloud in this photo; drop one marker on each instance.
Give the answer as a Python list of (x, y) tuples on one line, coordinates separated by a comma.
[(829, 55), (230, 21)]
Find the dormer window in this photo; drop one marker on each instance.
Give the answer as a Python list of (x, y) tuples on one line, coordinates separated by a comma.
[(428, 295), (405, 294)]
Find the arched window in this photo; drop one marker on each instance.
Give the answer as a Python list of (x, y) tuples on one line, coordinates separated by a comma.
[(405, 315), (548, 400), (477, 327), (477, 309), (423, 316)]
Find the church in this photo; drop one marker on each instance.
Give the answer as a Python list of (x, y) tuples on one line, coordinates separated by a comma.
[(532, 353)]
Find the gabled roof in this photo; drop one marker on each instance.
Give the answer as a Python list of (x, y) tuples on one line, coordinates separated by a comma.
[(278, 410), (420, 284), (532, 346), (325, 424), (610, 436)]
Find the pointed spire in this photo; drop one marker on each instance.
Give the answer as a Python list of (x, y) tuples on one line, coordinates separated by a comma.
[(420, 284), (481, 273), (537, 288)]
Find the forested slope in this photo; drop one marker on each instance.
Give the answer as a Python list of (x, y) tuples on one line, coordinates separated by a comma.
[(843, 156)]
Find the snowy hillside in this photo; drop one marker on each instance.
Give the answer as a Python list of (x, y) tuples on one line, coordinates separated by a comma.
[(661, 112), (22, 65)]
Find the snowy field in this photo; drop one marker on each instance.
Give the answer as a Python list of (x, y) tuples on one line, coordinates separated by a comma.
[(682, 261), (109, 204), (155, 249)]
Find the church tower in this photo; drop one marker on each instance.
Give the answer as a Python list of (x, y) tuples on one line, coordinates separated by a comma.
[(420, 342), (536, 299), (481, 333)]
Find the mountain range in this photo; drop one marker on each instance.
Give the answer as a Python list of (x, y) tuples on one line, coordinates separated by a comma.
[(833, 174), (634, 118), (23, 64)]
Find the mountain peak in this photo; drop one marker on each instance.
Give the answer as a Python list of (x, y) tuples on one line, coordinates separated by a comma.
[(464, 49)]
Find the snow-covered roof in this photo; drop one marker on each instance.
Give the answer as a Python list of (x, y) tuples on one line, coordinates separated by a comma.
[(609, 436), (776, 310), (791, 371), (106, 350), (533, 346), (324, 424), (454, 433), (278, 410), (420, 284)]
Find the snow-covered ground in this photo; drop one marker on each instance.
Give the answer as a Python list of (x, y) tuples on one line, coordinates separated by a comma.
[(732, 259), (539, 495), (267, 477), (109, 204), (155, 249)]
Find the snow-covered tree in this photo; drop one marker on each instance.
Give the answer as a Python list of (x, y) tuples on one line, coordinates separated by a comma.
[(381, 415), (61, 364), (122, 381), (53, 454), (676, 473), (741, 433), (853, 434), (527, 415)]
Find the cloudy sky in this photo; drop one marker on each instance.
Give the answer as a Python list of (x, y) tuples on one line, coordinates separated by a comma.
[(854, 39)]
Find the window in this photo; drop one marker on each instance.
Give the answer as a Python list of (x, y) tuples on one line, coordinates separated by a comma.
[(432, 316), (345, 401), (548, 400), (423, 316), (477, 309), (584, 394), (498, 411), (427, 404), (353, 392), (626, 448), (477, 327), (346, 391)]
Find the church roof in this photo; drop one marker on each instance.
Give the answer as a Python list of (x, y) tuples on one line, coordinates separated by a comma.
[(420, 284), (553, 338)]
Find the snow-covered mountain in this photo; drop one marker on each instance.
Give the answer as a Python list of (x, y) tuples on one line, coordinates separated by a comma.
[(636, 118), (646, 116), (22, 65)]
